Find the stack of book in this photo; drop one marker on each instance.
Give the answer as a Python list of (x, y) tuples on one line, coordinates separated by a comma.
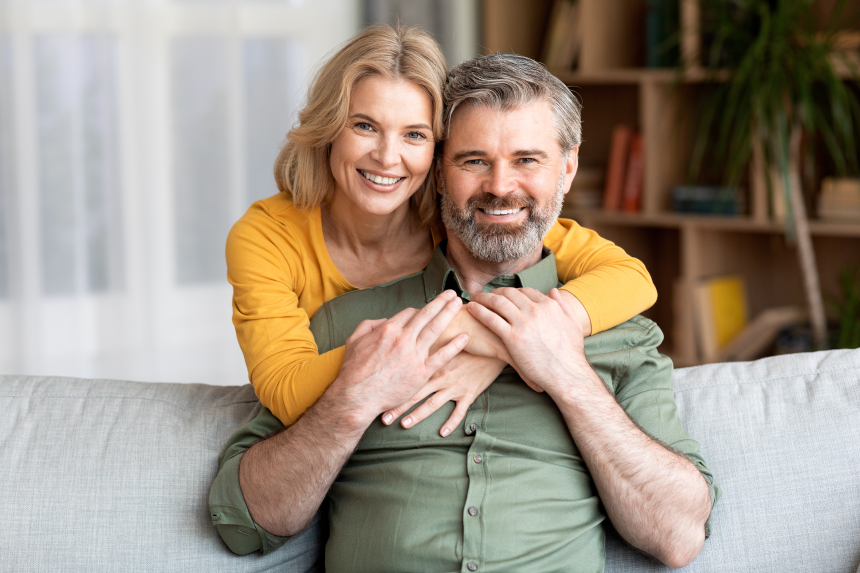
[(839, 200), (625, 171)]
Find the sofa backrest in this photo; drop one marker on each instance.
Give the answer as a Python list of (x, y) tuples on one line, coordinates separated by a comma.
[(782, 436), (103, 475)]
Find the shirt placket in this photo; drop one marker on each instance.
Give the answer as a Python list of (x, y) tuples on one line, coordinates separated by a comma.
[(478, 469)]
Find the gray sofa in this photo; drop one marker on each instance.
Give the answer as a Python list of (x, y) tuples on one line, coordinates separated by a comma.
[(101, 475)]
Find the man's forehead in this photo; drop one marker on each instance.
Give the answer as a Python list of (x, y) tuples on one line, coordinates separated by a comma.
[(529, 127)]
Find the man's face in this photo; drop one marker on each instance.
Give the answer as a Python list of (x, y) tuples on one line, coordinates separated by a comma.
[(503, 179)]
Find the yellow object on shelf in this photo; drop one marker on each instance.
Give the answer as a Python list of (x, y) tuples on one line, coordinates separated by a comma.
[(721, 313)]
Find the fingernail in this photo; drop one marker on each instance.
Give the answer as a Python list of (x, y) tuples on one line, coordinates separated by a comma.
[(386, 419), (445, 432), (407, 422)]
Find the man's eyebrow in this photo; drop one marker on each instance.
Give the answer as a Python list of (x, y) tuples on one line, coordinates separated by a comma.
[(468, 153), (371, 120), (531, 153)]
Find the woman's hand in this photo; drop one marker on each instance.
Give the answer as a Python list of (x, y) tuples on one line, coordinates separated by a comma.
[(461, 380), (482, 341)]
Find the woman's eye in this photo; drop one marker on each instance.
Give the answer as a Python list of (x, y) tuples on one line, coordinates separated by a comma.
[(364, 126), (415, 135)]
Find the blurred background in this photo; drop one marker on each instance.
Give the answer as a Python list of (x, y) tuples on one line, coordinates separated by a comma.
[(133, 133)]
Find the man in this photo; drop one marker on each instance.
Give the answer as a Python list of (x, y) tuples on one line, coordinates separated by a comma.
[(519, 485)]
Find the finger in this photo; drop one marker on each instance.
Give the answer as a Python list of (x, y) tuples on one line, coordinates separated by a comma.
[(434, 329), (424, 315), (498, 303), (565, 306), (533, 295), (444, 355), (404, 316), (532, 385), (498, 325), (456, 417), (429, 406), (394, 413), (515, 295), (364, 327)]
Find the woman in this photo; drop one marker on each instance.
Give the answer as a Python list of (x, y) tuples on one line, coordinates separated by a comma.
[(357, 208)]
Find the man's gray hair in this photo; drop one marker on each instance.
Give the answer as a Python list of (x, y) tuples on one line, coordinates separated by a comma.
[(508, 81)]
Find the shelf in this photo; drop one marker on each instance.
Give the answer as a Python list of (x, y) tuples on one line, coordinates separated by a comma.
[(739, 224), (621, 76)]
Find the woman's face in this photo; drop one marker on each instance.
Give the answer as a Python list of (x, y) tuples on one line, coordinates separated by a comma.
[(383, 154)]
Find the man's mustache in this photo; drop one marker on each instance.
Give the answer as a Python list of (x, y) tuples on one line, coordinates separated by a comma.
[(510, 201)]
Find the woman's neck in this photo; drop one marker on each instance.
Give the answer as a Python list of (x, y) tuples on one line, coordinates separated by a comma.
[(357, 233), (372, 249)]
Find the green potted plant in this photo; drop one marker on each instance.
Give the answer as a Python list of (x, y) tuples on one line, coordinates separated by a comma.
[(774, 86)]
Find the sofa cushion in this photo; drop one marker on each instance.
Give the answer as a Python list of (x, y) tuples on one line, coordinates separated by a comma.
[(782, 436), (102, 475)]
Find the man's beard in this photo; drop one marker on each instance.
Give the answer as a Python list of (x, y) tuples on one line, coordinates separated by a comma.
[(500, 242)]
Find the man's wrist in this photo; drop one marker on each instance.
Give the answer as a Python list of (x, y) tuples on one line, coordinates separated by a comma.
[(344, 404)]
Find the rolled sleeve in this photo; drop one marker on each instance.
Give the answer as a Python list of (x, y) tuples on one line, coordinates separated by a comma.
[(227, 506)]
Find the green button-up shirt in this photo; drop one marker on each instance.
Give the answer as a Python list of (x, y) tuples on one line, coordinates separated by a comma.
[(506, 491)]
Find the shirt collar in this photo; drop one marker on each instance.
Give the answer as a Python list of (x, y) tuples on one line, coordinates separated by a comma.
[(439, 276)]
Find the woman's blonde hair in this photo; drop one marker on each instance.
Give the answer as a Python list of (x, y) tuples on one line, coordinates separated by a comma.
[(302, 169)]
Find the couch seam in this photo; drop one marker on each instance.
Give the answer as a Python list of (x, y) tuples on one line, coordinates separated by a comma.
[(844, 369)]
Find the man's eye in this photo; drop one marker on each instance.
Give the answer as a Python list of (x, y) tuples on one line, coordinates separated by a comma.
[(474, 161), (528, 160)]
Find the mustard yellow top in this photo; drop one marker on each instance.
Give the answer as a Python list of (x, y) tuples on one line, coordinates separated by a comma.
[(281, 274)]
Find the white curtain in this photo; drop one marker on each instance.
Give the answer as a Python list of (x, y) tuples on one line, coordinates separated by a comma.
[(133, 133)]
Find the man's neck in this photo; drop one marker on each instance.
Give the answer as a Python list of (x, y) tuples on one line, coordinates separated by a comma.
[(475, 274)]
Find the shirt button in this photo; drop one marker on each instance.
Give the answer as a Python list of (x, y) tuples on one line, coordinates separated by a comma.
[(472, 566), (473, 511), (478, 459), (473, 427)]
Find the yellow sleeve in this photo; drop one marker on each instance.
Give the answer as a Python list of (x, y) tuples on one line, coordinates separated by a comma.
[(284, 366), (611, 285)]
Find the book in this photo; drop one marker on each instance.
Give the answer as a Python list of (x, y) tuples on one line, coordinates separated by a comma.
[(754, 340), (661, 33), (616, 168), (631, 198), (721, 313), (553, 43), (707, 200)]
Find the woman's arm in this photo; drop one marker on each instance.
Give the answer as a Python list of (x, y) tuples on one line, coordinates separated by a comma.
[(264, 265), (611, 286)]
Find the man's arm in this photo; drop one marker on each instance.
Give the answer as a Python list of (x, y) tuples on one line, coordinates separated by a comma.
[(657, 500), (285, 478)]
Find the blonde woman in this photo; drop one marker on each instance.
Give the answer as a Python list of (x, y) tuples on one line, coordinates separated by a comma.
[(357, 208)]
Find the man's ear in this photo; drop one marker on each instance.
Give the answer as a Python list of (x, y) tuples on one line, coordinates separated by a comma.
[(570, 167)]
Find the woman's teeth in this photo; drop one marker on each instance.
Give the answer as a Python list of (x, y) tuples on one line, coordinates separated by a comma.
[(380, 180), (502, 211)]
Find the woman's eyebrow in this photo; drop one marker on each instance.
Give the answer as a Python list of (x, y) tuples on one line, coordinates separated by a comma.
[(371, 120)]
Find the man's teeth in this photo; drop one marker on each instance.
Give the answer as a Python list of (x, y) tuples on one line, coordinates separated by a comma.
[(502, 211), (380, 180)]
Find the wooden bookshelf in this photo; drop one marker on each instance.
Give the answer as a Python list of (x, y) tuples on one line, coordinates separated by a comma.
[(678, 250)]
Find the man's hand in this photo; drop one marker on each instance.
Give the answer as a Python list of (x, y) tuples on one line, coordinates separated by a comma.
[(542, 334), (387, 361), (285, 477), (657, 500)]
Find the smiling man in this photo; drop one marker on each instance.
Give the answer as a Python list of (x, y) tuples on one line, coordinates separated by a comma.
[(574, 432)]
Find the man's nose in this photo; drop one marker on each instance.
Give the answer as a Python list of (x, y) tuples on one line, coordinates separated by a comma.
[(387, 152), (501, 181)]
